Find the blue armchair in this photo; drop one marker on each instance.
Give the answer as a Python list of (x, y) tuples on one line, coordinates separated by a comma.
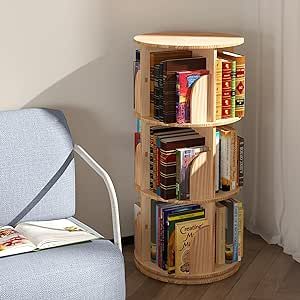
[(34, 145)]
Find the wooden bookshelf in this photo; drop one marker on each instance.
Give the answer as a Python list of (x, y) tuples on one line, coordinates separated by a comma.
[(202, 190)]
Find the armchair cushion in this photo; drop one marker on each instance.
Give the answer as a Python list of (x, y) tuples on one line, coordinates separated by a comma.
[(34, 143), (93, 270)]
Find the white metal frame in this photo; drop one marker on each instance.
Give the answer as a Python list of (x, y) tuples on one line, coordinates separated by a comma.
[(111, 191)]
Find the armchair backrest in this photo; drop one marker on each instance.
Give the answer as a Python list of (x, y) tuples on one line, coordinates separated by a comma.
[(34, 143)]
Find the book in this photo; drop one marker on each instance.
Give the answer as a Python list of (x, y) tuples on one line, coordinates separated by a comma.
[(240, 164), (136, 68), (153, 251), (172, 220), (185, 82), (217, 161), (184, 234), (40, 235), (157, 136), (184, 158), (218, 79), (233, 157), (235, 231), (229, 230), (226, 88), (155, 59), (168, 148), (240, 229), (154, 130), (166, 211), (240, 81), (167, 102), (225, 158), (220, 233)]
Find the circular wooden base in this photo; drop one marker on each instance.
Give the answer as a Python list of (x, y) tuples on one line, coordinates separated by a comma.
[(221, 272)]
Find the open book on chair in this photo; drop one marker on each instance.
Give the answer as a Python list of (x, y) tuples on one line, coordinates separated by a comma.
[(39, 235)]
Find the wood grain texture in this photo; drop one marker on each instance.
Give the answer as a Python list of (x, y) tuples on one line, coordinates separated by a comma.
[(200, 187), (153, 122), (199, 98), (145, 82), (279, 281), (200, 262), (138, 165), (153, 271), (137, 92), (188, 40), (211, 57), (220, 196)]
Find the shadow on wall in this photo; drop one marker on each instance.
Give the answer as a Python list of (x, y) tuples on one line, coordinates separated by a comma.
[(103, 126)]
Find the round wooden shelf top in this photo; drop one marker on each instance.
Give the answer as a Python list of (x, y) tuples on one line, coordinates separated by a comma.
[(189, 40)]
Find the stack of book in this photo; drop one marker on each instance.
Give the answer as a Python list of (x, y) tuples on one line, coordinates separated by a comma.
[(229, 231), (172, 229), (229, 159), (230, 85), (171, 152)]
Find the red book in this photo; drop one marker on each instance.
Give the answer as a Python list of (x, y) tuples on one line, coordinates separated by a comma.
[(226, 88)]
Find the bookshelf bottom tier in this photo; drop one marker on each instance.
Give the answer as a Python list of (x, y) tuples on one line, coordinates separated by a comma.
[(221, 272)]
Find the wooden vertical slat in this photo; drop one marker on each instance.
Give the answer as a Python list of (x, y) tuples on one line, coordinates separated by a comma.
[(199, 252), (199, 100), (197, 181), (145, 81), (137, 92), (145, 227), (211, 55), (138, 165)]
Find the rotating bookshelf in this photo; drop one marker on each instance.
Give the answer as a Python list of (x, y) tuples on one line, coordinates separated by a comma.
[(202, 261)]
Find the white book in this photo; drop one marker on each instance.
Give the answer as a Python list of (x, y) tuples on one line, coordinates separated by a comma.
[(39, 235)]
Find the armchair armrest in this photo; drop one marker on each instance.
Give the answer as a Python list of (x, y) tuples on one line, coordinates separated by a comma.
[(111, 191)]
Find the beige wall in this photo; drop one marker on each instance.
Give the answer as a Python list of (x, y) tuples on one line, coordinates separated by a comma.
[(45, 43)]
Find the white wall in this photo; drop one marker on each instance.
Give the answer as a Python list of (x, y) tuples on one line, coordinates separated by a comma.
[(45, 42)]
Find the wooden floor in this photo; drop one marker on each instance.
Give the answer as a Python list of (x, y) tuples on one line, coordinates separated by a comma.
[(266, 274)]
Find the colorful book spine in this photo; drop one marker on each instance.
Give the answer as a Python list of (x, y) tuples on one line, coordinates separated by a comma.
[(235, 231), (226, 88), (233, 86), (241, 230), (225, 159), (241, 152), (233, 160), (184, 235), (156, 91), (240, 88), (185, 81), (218, 88), (184, 158), (217, 161), (220, 233)]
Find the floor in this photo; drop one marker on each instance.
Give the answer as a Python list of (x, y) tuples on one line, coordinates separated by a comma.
[(266, 274)]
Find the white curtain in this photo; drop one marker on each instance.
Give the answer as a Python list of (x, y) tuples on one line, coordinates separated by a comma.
[(272, 127)]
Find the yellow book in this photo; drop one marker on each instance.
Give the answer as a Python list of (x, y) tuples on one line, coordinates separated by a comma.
[(218, 88), (184, 234)]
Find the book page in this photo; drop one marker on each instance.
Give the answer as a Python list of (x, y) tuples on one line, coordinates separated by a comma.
[(49, 234), (12, 242)]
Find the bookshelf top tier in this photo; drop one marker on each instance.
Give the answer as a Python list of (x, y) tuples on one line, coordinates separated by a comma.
[(188, 40)]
